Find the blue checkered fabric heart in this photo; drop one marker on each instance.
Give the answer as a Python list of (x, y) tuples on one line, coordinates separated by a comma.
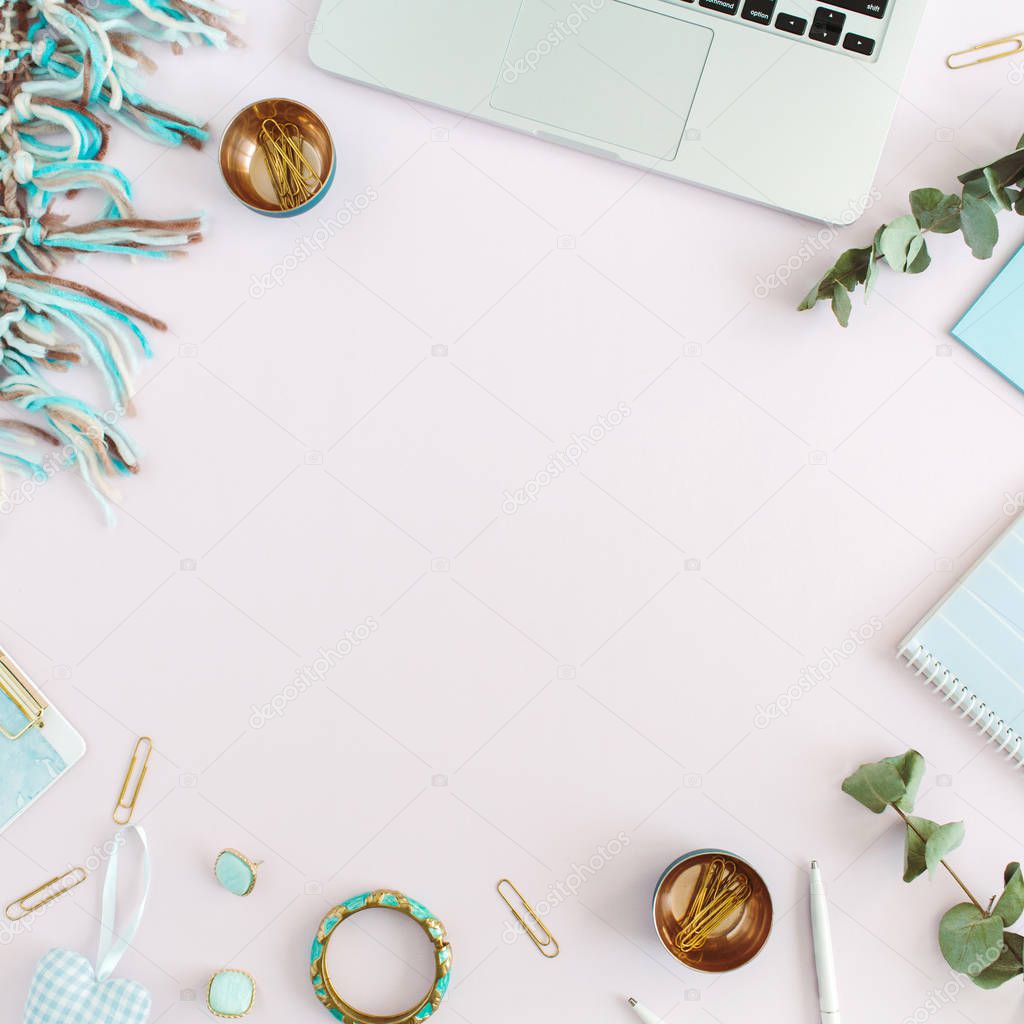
[(65, 990)]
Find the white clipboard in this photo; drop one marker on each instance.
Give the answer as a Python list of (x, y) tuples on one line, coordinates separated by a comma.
[(38, 745)]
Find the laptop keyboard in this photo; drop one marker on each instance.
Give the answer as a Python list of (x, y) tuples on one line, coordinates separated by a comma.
[(854, 28)]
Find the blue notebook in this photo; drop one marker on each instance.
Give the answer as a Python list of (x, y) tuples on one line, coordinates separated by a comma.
[(970, 647), (993, 328)]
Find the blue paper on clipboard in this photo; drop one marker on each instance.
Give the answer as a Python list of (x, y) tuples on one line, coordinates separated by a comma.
[(993, 328), (37, 745), (27, 765)]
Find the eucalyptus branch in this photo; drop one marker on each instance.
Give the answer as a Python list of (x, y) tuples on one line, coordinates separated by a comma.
[(986, 191), (974, 940)]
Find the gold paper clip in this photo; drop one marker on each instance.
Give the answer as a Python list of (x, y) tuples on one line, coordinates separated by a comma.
[(294, 178), (126, 805), (542, 939), (20, 908), (1015, 42), (26, 698)]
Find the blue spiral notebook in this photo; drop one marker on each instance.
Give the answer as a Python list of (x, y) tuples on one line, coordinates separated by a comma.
[(970, 647), (993, 328)]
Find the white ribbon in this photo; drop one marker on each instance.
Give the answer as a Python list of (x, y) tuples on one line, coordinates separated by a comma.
[(113, 946)]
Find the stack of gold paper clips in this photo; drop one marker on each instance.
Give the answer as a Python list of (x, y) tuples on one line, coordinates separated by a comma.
[(294, 178), (721, 891)]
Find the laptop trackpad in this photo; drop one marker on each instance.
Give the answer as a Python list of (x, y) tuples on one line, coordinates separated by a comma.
[(605, 70)]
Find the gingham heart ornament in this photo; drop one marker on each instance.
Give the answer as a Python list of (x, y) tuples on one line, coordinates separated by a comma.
[(67, 989)]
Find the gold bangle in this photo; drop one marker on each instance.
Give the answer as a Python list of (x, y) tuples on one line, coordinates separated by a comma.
[(388, 899)]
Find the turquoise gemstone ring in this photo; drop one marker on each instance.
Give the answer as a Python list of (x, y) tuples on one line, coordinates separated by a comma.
[(388, 899), (236, 872), (231, 994)]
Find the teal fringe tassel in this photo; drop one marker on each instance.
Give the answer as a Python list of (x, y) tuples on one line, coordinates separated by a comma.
[(67, 70)]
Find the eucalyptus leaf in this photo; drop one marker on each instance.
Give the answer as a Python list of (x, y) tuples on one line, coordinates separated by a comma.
[(936, 211), (918, 257), (942, 842), (911, 767), (1009, 964), (978, 188), (996, 188), (1011, 903), (969, 939), (872, 275), (980, 227), (816, 295), (1008, 170), (876, 786), (919, 831), (928, 843), (841, 304), (923, 201), (850, 270), (896, 241)]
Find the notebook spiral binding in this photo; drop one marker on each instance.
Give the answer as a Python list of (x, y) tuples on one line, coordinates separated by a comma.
[(933, 673)]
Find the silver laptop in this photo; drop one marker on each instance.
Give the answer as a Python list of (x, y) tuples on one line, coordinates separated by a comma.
[(783, 102)]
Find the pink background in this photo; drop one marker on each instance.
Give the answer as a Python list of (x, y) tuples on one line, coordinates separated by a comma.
[(538, 681)]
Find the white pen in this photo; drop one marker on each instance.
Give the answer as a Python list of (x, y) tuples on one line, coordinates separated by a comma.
[(828, 993), (642, 1012)]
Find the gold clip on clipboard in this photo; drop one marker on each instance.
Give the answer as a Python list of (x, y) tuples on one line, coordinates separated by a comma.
[(25, 697), (38, 745)]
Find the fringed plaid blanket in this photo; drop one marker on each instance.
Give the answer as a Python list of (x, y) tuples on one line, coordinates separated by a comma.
[(70, 69)]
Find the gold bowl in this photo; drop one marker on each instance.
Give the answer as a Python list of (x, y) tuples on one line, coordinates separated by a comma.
[(737, 940), (244, 168)]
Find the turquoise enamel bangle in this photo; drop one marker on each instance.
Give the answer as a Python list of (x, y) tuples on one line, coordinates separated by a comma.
[(388, 899)]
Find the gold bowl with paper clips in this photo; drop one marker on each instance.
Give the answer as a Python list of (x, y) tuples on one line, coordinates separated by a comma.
[(712, 911), (277, 157)]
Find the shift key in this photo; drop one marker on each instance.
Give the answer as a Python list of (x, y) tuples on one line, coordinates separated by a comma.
[(872, 8)]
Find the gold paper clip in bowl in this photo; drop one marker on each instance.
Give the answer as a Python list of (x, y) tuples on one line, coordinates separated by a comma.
[(537, 931), (59, 885), (126, 804), (1008, 46), (25, 697)]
